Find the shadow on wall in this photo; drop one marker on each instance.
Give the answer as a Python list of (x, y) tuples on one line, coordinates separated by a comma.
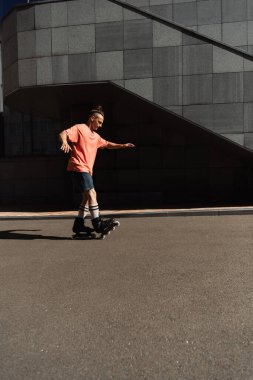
[(175, 162)]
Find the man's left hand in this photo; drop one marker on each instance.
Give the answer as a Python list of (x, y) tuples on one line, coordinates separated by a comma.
[(128, 145)]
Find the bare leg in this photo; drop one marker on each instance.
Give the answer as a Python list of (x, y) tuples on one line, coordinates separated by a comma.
[(89, 198)]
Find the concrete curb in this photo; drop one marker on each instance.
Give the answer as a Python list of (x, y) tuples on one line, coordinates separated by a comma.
[(134, 213)]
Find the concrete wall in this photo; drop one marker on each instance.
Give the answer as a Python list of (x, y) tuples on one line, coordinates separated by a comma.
[(230, 21), (1, 102), (96, 40), (27, 135), (37, 180), (1, 80), (173, 163)]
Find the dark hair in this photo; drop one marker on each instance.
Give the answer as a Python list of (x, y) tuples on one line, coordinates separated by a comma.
[(96, 109)]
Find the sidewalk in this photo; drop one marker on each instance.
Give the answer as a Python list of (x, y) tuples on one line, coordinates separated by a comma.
[(69, 214)]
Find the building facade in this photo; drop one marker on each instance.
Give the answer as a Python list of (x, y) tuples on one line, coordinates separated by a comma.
[(182, 94), (229, 21)]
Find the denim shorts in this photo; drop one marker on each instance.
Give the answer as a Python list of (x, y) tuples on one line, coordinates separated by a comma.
[(81, 181)]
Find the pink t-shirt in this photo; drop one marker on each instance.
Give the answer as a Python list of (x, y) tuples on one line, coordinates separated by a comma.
[(84, 148)]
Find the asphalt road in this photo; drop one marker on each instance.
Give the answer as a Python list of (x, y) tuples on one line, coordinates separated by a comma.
[(160, 298)]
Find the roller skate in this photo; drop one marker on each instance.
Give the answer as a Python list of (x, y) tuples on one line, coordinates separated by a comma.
[(104, 226), (81, 232)]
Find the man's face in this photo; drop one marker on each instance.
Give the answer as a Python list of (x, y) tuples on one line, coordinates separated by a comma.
[(96, 122)]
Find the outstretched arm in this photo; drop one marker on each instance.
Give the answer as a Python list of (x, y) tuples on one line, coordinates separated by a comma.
[(112, 145), (64, 141)]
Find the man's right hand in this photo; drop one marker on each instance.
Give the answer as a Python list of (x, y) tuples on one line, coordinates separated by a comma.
[(65, 147)]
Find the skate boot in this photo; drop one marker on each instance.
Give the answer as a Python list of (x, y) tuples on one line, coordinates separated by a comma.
[(81, 231), (104, 226)]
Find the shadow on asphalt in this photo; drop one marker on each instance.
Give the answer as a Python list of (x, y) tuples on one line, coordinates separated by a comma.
[(18, 235)]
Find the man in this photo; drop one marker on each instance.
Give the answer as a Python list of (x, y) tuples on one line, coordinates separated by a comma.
[(83, 141)]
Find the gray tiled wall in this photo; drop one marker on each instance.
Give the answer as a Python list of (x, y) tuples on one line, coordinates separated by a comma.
[(109, 36), (167, 61), (60, 73), (197, 89), (228, 88), (197, 59), (76, 64), (138, 63), (138, 34), (44, 71), (96, 40), (77, 12), (43, 42), (229, 21), (59, 40)]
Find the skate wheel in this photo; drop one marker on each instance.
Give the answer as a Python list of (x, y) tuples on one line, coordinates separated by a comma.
[(117, 223), (113, 228)]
